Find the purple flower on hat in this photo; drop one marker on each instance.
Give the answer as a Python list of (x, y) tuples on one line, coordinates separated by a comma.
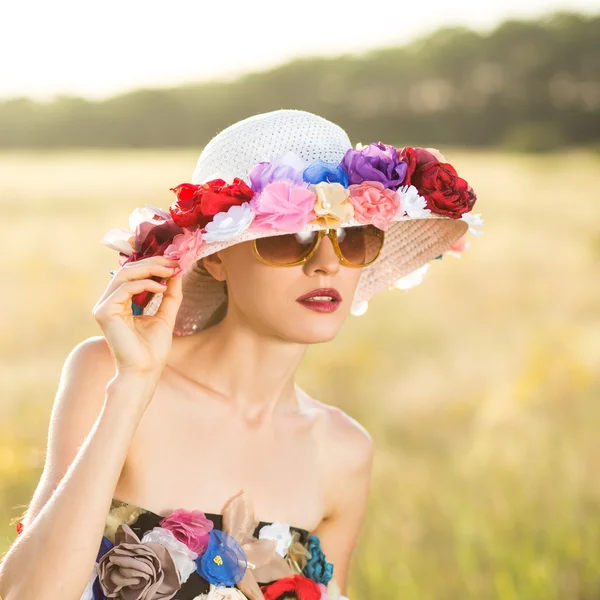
[(375, 162), (288, 167), (320, 170)]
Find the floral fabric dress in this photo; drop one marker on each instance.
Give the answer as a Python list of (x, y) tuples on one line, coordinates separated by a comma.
[(192, 555)]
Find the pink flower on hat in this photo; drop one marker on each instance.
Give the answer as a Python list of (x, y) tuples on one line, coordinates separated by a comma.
[(284, 205), (373, 203), (185, 247), (190, 527)]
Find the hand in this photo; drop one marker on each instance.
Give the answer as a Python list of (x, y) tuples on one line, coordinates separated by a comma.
[(140, 343)]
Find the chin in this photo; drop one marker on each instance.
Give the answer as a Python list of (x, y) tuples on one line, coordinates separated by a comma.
[(313, 328)]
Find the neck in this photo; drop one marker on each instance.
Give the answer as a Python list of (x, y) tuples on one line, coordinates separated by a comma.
[(253, 371)]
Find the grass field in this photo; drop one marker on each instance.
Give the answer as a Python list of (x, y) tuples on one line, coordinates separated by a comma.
[(480, 387)]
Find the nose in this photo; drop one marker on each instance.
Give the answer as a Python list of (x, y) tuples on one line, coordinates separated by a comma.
[(324, 260)]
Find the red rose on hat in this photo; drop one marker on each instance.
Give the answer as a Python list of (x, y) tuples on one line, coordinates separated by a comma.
[(198, 204), (444, 191), (295, 586)]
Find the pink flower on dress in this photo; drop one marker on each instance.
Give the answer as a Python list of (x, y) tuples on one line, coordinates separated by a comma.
[(284, 205), (373, 203), (185, 248), (190, 527)]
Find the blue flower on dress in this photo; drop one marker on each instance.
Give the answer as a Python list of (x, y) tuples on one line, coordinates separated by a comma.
[(224, 561), (317, 568), (320, 170)]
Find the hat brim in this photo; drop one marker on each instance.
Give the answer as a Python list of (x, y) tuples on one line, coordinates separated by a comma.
[(409, 243)]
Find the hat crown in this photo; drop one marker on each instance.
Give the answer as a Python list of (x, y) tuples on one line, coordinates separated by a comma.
[(266, 136)]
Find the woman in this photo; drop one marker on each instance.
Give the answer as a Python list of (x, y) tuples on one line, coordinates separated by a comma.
[(183, 423)]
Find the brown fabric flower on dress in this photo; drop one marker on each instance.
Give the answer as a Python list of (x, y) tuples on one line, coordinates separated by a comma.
[(131, 570)]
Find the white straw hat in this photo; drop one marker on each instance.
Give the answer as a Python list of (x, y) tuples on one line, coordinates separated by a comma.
[(410, 242)]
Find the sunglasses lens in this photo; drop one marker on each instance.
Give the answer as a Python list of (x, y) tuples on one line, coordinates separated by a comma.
[(360, 245), (286, 248)]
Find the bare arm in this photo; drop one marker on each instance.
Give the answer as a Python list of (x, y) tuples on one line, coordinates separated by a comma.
[(350, 459), (99, 404), (92, 424)]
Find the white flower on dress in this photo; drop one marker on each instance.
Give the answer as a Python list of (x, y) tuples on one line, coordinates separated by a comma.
[(412, 203), (280, 532), (227, 225), (221, 593), (182, 556), (88, 593), (473, 221), (412, 279)]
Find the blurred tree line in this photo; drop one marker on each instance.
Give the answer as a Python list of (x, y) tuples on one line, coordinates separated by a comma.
[(526, 85)]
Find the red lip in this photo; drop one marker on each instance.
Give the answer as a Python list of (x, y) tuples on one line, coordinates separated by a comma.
[(322, 292), (322, 306)]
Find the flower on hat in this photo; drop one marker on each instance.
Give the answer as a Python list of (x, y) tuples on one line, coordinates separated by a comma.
[(375, 162), (333, 203), (122, 239), (457, 248), (196, 205), (320, 170), (412, 279), (412, 203), (317, 567), (182, 556), (473, 221), (374, 204), (227, 225), (280, 533), (287, 167), (185, 247), (137, 571), (295, 586), (224, 561), (191, 527), (444, 191), (284, 206)]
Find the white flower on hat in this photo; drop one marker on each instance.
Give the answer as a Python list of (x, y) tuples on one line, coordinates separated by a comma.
[(412, 203), (473, 221), (280, 532), (148, 213), (182, 556), (227, 225), (359, 308), (412, 279), (121, 239)]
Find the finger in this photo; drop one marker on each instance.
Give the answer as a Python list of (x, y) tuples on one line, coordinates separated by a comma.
[(157, 266), (171, 299), (119, 301)]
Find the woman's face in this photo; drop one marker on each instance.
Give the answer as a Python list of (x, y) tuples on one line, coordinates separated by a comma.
[(266, 297)]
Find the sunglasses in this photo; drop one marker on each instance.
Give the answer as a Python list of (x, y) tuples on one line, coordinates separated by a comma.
[(355, 246)]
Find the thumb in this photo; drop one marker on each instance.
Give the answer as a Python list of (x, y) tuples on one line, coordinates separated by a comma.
[(171, 299)]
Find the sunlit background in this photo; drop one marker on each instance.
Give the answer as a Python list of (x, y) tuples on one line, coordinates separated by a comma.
[(481, 386)]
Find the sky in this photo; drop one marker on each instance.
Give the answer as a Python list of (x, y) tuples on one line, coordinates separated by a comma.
[(103, 48)]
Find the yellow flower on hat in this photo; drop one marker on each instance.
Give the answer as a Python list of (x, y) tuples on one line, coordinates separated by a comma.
[(332, 204)]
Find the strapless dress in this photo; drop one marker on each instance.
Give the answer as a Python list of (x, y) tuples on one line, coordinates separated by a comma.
[(192, 555)]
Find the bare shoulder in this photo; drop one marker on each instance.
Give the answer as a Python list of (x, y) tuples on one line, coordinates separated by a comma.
[(347, 443), (86, 372)]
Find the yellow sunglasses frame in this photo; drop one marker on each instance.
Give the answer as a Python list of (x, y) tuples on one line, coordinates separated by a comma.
[(321, 233)]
